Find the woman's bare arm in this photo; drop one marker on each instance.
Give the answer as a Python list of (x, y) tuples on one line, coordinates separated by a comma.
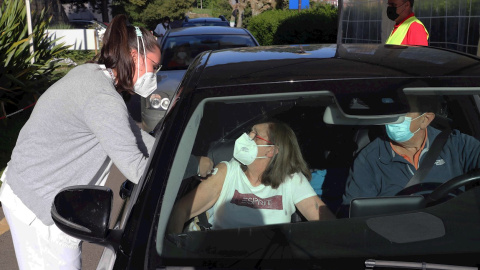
[(313, 208), (197, 201)]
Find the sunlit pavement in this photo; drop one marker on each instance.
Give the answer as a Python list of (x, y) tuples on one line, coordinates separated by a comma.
[(7, 254), (3, 226)]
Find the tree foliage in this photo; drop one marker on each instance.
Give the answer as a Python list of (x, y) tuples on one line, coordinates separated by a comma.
[(148, 13), (53, 8), (98, 5), (315, 25), (220, 7), (20, 80)]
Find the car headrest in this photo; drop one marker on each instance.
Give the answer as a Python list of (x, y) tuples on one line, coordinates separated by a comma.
[(221, 151)]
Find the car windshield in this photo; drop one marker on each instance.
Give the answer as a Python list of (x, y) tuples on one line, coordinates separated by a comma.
[(205, 23), (191, 46), (328, 144)]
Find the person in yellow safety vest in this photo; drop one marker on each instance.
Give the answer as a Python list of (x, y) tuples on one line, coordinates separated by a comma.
[(408, 30)]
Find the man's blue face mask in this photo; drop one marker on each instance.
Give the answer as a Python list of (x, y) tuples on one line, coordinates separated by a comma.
[(401, 132)]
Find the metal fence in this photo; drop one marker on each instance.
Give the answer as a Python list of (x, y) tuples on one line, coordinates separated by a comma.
[(452, 24)]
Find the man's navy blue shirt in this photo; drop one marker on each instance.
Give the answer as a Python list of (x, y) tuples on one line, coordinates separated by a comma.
[(379, 171)]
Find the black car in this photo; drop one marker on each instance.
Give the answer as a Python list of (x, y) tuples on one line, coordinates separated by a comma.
[(336, 98), (206, 21)]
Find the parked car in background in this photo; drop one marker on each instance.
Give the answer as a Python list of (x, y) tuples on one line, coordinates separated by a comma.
[(334, 97), (206, 21), (90, 24), (186, 42)]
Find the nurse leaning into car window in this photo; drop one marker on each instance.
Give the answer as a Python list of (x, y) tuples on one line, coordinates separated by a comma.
[(386, 166), (261, 185), (79, 126)]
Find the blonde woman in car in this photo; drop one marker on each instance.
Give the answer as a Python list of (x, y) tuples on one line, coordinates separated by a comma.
[(263, 184)]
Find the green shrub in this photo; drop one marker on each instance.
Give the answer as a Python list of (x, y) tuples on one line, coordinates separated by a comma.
[(247, 16), (61, 26), (8, 136), (315, 25), (70, 59), (220, 7), (22, 82), (264, 26), (78, 56), (203, 10)]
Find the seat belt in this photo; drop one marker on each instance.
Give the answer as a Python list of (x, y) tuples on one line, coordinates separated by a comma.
[(203, 222), (430, 158)]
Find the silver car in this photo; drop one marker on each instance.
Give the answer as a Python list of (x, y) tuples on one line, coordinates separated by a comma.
[(179, 48)]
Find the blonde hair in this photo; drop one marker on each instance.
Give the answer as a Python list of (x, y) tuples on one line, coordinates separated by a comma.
[(288, 160)]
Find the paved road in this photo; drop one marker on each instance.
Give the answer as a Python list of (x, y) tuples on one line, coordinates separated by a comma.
[(91, 253)]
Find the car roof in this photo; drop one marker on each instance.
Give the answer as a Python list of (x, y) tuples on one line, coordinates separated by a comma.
[(207, 30), (272, 64)]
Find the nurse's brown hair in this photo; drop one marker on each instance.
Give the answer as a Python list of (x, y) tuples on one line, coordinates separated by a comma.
[(119, 39)]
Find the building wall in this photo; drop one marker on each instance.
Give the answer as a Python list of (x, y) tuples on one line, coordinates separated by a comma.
[(451, 24), (77, 39)]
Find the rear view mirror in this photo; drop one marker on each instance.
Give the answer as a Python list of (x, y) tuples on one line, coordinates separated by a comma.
[(83, 212), (333, 115)]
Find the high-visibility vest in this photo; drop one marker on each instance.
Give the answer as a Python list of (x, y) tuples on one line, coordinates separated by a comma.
[(402, 30)]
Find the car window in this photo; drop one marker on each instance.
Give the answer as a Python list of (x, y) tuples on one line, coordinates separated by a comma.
[(221, 123), (208, 23), (327, 148), (198, 44)]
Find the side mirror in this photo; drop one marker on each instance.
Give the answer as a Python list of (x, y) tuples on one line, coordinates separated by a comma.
[(83, 212)]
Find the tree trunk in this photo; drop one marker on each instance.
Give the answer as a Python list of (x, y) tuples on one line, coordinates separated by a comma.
[(242, 4), (105, 17), (259, 6), (52, 7)]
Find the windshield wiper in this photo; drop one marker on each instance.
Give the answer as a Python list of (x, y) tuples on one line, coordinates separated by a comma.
[(371, 264)]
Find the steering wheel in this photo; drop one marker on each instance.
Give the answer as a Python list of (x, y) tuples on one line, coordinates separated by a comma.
[(443, 191)]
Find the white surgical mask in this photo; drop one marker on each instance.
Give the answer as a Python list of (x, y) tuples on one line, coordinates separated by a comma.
[(147, 83), (246, 150)]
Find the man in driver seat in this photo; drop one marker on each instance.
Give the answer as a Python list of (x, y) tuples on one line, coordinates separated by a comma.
[(386, 165)]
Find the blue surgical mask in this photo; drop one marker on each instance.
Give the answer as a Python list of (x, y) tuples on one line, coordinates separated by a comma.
[(401, 132)]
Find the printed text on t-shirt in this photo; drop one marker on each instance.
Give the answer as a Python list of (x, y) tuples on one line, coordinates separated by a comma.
[(253, 201)]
